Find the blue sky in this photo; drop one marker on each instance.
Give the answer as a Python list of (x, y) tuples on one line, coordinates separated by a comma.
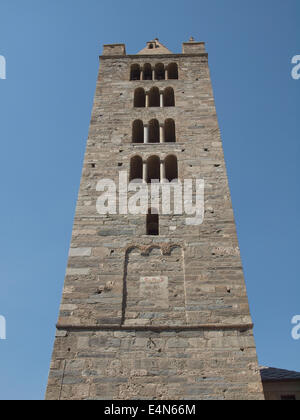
[(51, 48)]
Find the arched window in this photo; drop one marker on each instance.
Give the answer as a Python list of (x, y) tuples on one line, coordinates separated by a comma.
[(153, 131), (136, 168), (152, 222), (169, 97), (153, 169), (138, 131), (171, 168), (139, 98), (135, 72), (172, 71), (170, 132), (147, 72), (154, 97), (159, 72)]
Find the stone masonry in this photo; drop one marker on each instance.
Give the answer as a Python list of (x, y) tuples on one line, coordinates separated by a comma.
[(154, 316)]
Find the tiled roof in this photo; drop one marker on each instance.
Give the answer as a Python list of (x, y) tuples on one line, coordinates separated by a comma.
[(273, 374)]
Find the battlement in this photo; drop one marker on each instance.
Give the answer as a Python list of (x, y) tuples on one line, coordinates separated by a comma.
[(155, 47), (114, 49), (193, 47)]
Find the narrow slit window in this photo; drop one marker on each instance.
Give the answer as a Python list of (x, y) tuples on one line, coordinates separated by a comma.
[(152, 222)]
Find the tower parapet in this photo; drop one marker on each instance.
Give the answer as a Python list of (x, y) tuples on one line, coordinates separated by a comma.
[(193, 47), (114, 49)]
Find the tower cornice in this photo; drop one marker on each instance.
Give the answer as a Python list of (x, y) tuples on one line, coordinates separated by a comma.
[(142, 57)]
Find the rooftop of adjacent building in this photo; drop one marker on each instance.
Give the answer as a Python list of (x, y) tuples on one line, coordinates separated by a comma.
[(274, 374)]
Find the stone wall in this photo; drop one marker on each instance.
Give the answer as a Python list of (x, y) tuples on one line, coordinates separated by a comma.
[(100, 351), (154, 365)]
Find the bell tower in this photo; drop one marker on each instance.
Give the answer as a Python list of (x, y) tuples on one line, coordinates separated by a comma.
[(154, 304)]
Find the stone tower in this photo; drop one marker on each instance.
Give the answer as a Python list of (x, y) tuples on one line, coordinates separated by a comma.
[(154, 307)]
